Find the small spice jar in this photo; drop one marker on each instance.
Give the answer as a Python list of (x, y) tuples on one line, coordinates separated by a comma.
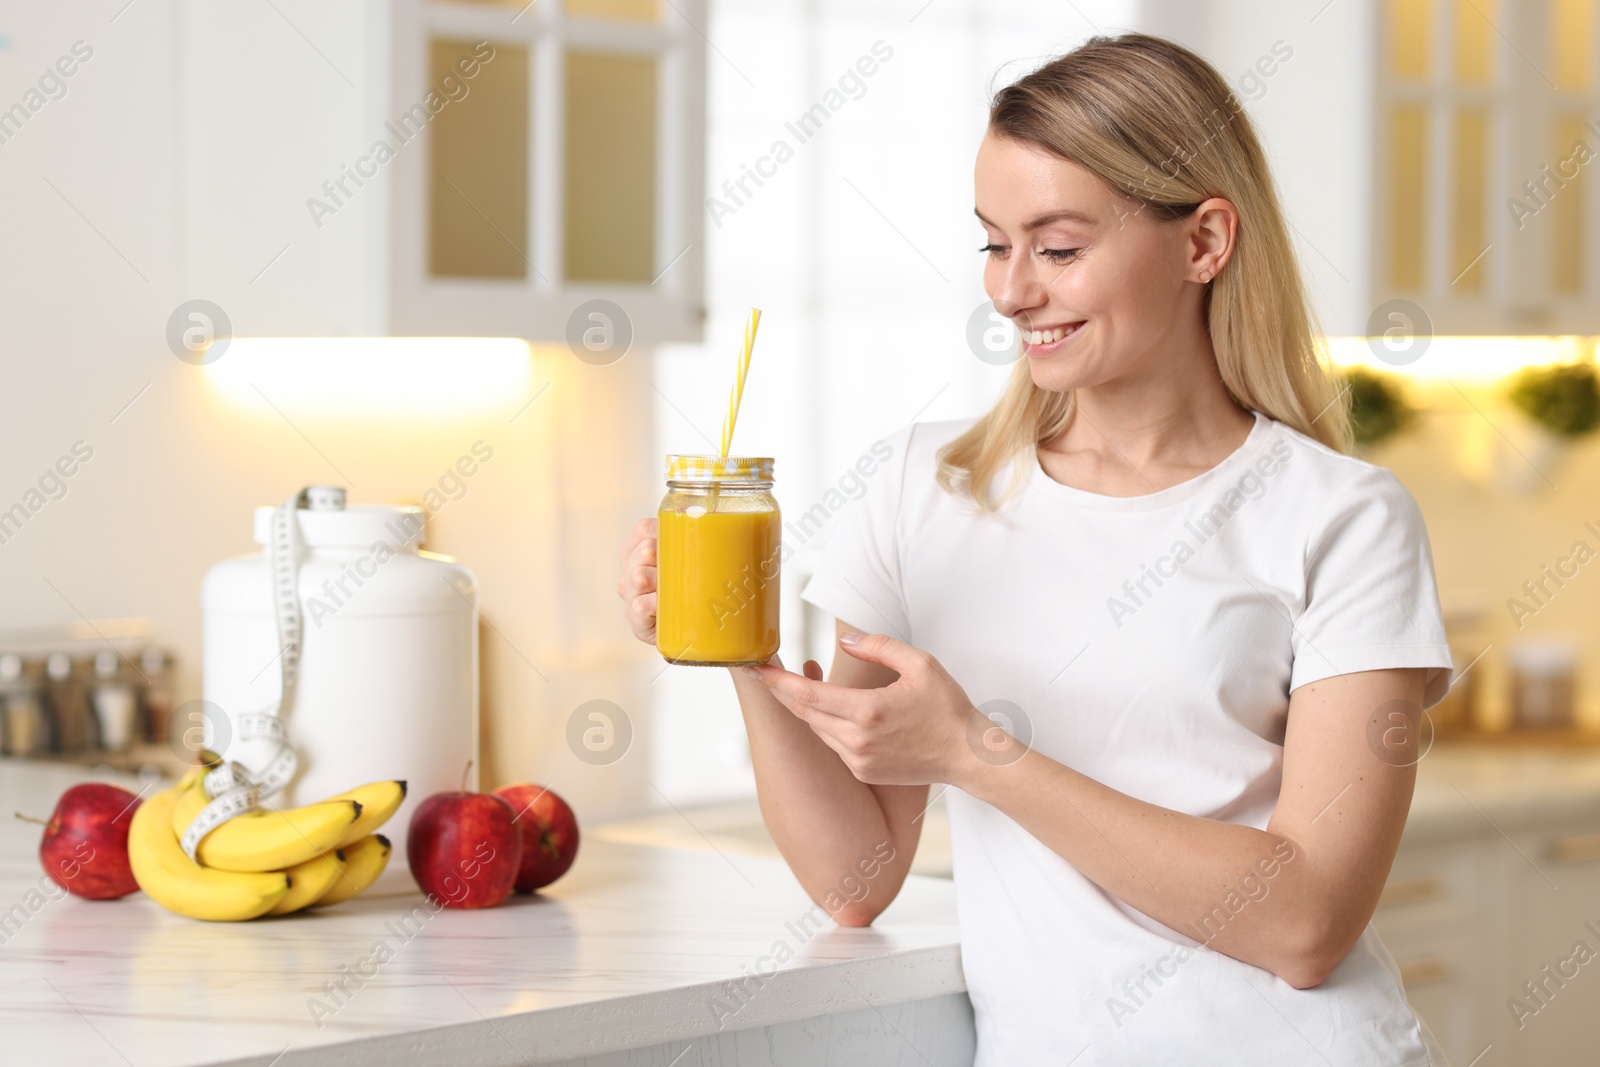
[(1542, 683), (719, 548)]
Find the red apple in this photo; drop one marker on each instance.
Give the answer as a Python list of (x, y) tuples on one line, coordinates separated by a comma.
[(464, 848), (85, 845), (549, 834)]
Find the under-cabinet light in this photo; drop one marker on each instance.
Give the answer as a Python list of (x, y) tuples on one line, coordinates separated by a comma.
[(1454, 358), (415, 376)]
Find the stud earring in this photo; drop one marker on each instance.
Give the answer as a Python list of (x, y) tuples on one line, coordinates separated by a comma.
[(1205, 276)]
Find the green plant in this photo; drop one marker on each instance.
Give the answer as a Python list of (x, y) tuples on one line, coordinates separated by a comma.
[(1563, 398), (1378, 406)]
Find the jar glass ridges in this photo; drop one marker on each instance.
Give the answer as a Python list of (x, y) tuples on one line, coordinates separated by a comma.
[(718, 561)]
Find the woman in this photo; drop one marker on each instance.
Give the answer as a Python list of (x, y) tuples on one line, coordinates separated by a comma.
[(1167, 644)]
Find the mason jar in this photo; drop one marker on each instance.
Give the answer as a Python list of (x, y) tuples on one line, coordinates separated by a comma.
[(719, 545)]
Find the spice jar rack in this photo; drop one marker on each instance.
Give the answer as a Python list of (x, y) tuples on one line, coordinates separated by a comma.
[(91, 692)]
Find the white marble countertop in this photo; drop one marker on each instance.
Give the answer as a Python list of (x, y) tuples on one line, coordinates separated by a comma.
[(629, 949), (1464, 790), (736, 827)]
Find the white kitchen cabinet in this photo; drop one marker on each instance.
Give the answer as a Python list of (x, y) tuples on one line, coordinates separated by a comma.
[(1405, 133), (429, 168), (1497, 878), (1431, 917), (1483, 213), (1554, 944)]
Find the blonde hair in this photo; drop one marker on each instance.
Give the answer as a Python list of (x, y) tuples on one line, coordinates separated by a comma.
[(1158, 124)]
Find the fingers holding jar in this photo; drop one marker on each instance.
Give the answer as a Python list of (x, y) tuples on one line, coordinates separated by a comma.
[(637, 586), (644, 530)]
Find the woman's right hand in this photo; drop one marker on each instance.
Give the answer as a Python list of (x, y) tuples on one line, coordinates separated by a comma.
[(637, 586)]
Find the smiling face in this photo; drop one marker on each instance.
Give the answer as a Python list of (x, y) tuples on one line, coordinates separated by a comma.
[(1100, 289)]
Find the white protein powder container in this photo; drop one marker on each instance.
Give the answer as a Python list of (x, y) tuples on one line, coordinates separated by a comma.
[(388, 675)]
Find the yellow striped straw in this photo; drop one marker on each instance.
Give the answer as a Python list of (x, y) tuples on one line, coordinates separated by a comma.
[(738, 385)]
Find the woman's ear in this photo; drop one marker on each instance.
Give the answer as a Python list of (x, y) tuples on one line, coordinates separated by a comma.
[(1213, 229)]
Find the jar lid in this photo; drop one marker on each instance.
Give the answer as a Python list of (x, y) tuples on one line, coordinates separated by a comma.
[(690, 468), (1544, 657)]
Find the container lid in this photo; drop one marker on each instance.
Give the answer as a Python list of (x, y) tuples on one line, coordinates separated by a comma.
[(1545, 657), (693, 468), (354, 526)]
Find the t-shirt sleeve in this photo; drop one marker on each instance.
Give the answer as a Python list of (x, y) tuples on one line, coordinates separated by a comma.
[(858, 578), (1371, 597)]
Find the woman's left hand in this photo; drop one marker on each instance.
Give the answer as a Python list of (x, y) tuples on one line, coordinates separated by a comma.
[(914, 731)]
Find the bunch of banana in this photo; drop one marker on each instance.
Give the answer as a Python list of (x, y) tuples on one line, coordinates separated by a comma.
[(263, 862)]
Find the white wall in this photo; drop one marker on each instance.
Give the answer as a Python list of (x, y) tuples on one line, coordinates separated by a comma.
[(1312, 114), (86, 290), (86, 265)]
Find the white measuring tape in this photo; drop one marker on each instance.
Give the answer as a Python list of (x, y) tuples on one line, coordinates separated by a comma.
[(234, 790)]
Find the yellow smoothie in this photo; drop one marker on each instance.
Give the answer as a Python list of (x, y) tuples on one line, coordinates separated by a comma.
[(717, 576)]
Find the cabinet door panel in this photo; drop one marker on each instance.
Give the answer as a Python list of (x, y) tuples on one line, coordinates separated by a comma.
[(1548, 996), (1441, 970), (633, 10), (478, 161), (1572, 44), (609, 200), (1431, 918), (1568, 269)]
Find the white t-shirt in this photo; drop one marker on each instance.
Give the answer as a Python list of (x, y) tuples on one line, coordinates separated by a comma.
[(1150, 642)]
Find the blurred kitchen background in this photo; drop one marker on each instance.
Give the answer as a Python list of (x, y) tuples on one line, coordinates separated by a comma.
[(398, 260)]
